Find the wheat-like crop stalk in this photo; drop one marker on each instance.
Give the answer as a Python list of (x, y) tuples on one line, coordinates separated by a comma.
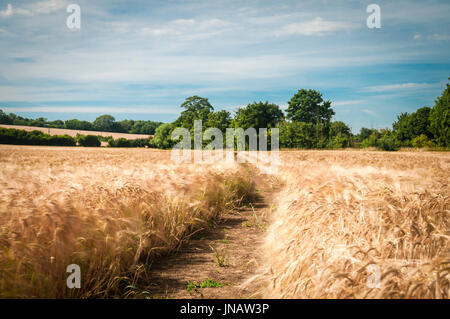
[(342, 213), (110, 211)]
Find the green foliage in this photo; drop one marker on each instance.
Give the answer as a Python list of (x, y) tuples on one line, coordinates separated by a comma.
[(208, 283), (388, 142), (409, 126), (162, 138), (102, 123), (365, 133), (196, 108), (440, 119), (4, 118), (339, 127), (220, 119), (339, 135), (339, 141), (144, 127), (123, 142), (297, 135), (75, 124), (221, 258), (107, 123), (308, 125), (308, 106), (370, 141), (258, 115), (21, 137), (421, 141), (88, 140)]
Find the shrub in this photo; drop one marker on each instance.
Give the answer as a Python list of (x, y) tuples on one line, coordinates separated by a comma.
[(88, 140), (163, 137), (388, 143), (123, 142), (370, 141), (339, 141), (421, 141), (22, 137), (60, 140)]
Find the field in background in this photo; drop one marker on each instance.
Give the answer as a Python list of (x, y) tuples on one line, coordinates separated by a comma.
[(348, 218), (60, 131), (110, 211)]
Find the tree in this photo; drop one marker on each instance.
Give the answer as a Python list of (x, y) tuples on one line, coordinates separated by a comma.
[(371, 140), (4, 119), (88, 140), (163, 136), (126, 125), (409, 126), (56, 123), (308, 106), (388, 142), (421, 141), (420, 122), (258, 115), (440, 119), (296, 135), (220, 119), (339, 135), (75, 124), (196, 108), (105, 123), (144, 127), (365, 133), (402, 127), (339, 127)]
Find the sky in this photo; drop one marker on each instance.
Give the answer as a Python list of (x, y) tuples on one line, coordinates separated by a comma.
[(141, 59)]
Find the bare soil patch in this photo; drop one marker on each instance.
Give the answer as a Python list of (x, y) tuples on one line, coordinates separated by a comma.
[(227, 254)]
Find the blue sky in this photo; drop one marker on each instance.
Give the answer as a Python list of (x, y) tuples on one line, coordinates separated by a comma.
[(141, 59)]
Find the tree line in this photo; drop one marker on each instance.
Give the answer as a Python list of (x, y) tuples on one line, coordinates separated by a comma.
[(306, 124), (105, 123)]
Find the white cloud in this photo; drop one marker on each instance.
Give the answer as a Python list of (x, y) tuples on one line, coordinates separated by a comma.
[(417, 36), (402, 86), (370, 112), (8, 12), (157, 32), (318, 26), (184, 22), (439, 37), (42, 7), (346, 103), (48, 6), (191, 27)]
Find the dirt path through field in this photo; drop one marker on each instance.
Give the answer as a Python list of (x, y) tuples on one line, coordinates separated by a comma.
[(228, 255)]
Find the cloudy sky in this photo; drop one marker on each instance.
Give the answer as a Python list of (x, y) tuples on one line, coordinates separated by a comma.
[(141, 59)]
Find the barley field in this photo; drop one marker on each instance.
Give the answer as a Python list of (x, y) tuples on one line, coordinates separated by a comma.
[(110, 211), (358, 224), (343, 224)]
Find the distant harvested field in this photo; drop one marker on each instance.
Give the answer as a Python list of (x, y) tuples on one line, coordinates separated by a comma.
[(60, 131)]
